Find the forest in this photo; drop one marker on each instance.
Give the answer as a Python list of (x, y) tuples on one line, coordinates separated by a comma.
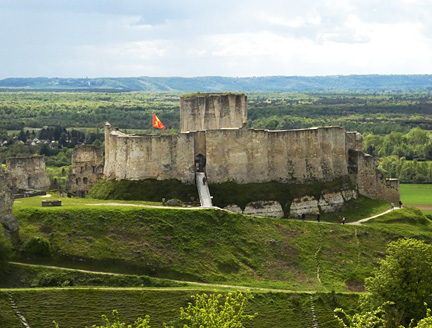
[(396, 125)]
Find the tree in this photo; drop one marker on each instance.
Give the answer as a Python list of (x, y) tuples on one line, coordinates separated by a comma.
[(404, 279), (139, 323), (208, 312)]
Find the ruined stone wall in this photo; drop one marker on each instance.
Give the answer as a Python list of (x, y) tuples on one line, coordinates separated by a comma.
[(27, 173), (369, 180), (354, 140), (7, 219), (285, 156), (211, 111), (87, 169), (160, 157)]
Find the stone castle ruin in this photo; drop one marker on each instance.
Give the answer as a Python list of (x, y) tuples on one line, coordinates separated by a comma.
[(7, 219), (87, 169), (27, 173), (215, 143)]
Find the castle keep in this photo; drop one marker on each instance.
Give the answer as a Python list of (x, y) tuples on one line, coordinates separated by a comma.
[(215, 141)]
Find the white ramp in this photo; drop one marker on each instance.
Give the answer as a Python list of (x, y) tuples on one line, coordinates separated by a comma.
[(203, 190)]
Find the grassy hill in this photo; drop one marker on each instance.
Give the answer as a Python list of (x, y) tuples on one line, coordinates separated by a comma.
[(299, 264), (211, 245)]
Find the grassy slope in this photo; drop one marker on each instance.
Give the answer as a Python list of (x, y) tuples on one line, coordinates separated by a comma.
[(203, 245), (85, 307), (207, 245)]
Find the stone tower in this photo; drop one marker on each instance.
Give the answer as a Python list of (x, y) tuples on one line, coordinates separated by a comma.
[(87, 169), (213, 111)]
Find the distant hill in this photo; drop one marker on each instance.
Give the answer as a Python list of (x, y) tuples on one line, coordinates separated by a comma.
[(219, 84)]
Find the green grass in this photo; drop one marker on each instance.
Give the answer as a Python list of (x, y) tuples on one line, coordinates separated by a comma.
[(85, 307), (411, 224), (20, 276), (67, 203), (204, 245), (355, 210), (416, 193)]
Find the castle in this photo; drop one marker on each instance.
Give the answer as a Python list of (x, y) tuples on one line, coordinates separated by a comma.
[(214, 140)]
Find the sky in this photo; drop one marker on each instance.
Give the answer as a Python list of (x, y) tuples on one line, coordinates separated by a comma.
[(189, 38)]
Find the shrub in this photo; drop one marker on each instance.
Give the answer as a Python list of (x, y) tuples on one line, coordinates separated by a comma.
[(36, 247)]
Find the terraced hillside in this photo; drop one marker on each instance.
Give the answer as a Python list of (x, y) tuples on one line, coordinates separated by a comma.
[(298, 271)]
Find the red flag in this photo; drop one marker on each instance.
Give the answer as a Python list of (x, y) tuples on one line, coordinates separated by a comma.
[(156, 123)]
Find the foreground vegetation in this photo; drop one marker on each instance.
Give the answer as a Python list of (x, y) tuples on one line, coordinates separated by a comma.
[(299, 263)]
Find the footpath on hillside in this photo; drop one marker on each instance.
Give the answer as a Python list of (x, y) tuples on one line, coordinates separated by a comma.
[(358, 222)]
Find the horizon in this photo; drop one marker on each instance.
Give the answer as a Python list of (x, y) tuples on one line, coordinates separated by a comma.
[(207, 76)]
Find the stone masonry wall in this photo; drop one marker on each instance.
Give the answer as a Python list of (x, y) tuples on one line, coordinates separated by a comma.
[(7, 219), (160, 157), (369, 180), (240, 154), (212, 111), (87, 169), (284, 156), (27, 173)]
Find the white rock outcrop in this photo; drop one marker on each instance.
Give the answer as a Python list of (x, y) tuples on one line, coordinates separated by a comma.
[(264, 208), (304, 205)]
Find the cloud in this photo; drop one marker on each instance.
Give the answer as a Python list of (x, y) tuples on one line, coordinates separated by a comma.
[(195, 38)]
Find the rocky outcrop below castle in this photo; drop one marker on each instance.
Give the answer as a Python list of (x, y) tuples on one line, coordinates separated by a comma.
[(7, 219), (308, 205)]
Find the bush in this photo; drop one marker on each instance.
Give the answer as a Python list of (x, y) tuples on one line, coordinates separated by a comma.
[(36, 247), (5, 250)]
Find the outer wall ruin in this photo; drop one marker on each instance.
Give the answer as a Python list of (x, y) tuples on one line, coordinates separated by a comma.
[(7, 219), (214, 139), (27, 173), (87, 169)]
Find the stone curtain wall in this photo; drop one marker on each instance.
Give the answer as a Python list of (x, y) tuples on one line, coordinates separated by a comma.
[(160, 157), (284, 156), (212, 111), (240, 154), (27, 173)]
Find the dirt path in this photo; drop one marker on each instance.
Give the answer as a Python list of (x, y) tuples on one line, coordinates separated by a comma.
[(193, 283)]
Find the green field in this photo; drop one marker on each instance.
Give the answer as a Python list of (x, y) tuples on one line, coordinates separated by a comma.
[(419, 195)]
